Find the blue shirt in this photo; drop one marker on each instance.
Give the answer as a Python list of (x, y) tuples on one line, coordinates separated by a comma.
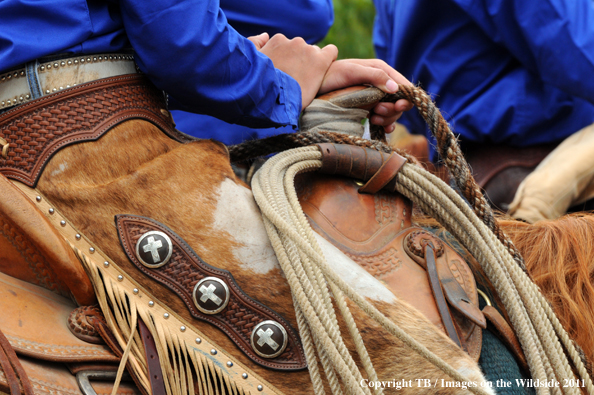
[(515, 72), (309, 19), (186, 47)]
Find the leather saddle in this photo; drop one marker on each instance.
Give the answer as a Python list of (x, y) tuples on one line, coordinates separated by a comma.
[(376, 232)]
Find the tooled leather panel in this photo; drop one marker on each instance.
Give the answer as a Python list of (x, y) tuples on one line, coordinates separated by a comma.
[(185, 269), (38, 129), (331, 202), (372, 230)]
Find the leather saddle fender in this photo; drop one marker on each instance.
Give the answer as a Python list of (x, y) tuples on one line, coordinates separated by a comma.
[(376, 232), (32, 250)]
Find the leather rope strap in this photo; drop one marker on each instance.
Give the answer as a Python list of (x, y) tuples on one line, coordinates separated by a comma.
[(440, 300), (13, 370), (384, 175)]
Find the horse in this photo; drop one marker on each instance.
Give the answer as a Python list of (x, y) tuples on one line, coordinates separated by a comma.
[(136, 176)]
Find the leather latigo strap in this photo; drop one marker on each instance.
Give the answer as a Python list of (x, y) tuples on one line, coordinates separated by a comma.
[(31, 133), (377, 168), (211, 294)]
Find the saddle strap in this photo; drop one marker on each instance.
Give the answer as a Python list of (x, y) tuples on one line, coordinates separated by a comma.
[(152, 360), (13, 371), (440, 299)]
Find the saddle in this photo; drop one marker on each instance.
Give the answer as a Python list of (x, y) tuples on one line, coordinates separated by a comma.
[(43, 281)]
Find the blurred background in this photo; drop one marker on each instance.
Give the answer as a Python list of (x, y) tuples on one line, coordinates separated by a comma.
[(351, 31)]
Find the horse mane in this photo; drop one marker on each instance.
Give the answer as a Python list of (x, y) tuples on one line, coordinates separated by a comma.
[(559, 255)]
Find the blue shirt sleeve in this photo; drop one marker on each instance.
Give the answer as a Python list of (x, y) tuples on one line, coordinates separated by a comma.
[(309, 19), (206, 66), (552, 38)]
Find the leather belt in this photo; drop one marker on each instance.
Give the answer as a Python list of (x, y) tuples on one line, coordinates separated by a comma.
[(57, 75), (31, 133)]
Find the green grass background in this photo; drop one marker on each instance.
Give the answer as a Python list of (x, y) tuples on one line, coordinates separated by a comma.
[(351, 31)]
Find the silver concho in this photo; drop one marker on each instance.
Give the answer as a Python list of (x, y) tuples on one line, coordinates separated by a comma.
[(269, 339), (154, 249), (211, 295)]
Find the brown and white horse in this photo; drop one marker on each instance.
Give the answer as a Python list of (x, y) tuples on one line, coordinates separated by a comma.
[(191, 188)]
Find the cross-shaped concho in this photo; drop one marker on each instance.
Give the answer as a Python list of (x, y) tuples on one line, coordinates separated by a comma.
[(153, 249), (269, 339), (210, 295)]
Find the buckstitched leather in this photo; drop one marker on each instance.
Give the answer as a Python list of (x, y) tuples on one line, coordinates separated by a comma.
[(36, 130), (185, 270)]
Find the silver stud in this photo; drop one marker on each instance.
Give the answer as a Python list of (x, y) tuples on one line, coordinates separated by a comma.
[(88, 59), (92, 250), (16, 74), (110, 57), (135, 290), (62, 63), (38, 198), (51, 210), (198, 340), (47, 91), (22, 73), (3, 78), (75, 61), (67, 86), (61, 87), (82, 60), (9, 76), (21, 98), (77, 236), (95, 59), (70, 63), (151, 303), (3, 103), (230, 364), (27, 96), (120, 278), (56, 65), (245, 375), (166, 315), (106, 264), (182, 328), (63, 223), (49, 66), (260, 388), (41, 68), (100, 57), (54, 90), (213, 352)]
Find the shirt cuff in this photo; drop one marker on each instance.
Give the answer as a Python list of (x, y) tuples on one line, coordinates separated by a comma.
[(289, 100)]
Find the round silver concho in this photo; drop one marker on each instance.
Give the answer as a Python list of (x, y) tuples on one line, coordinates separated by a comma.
[(211, 295), (154, 249), (269, 339)]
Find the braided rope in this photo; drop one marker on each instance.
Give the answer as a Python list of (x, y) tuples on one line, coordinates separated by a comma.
[(543, 338), (287, 227)]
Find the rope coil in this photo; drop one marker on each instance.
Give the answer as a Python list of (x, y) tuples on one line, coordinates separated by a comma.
[(544, 340)]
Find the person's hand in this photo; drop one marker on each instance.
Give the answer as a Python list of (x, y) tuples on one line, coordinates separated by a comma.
[(307, 64), (349, 72)]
